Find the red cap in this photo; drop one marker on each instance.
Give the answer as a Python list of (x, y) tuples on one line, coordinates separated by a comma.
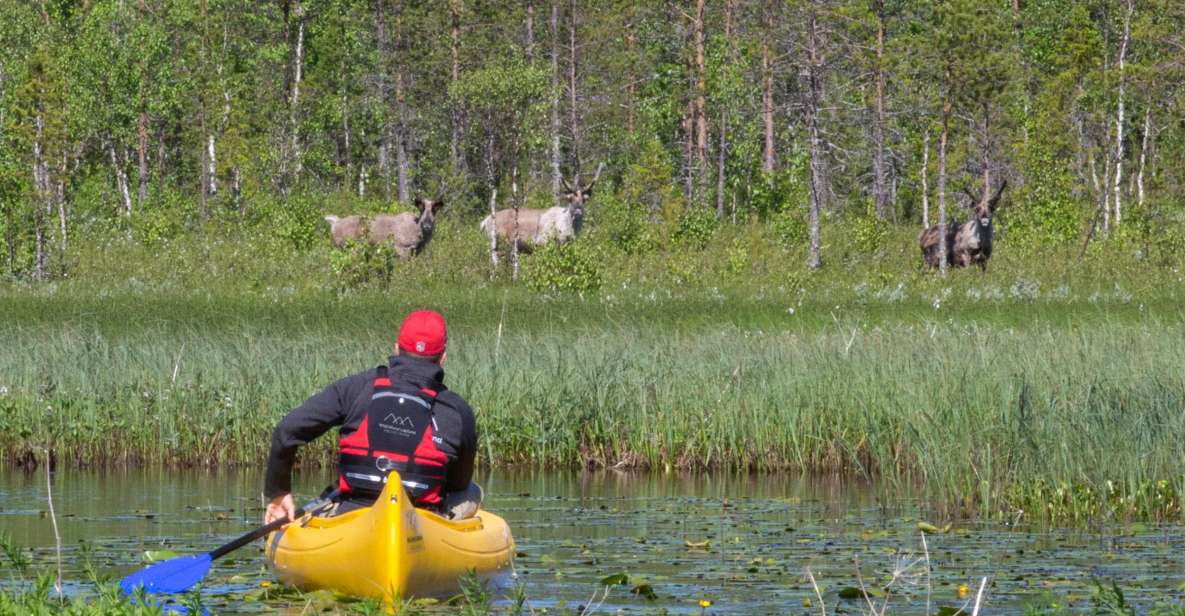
[(423, 332)]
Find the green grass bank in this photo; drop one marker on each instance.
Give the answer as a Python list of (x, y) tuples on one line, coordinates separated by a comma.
[(1051, 385)]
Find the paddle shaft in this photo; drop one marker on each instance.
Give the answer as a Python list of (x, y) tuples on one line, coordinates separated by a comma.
[(267, 528), (251, 536)]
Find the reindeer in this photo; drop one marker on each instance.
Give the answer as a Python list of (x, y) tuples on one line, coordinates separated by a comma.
[(536, 227), (968, 243), (406, 233)]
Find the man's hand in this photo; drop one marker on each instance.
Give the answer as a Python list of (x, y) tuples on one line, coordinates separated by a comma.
[(281, 507)]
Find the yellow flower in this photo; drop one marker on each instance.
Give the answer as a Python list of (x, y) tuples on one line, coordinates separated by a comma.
[(963, 590), (704, 603), (265, 584)]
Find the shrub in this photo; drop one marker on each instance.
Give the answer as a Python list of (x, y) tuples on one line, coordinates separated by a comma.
[(738, 257), (868, 234), (695, 228), (563, 267), (297, 220), (790, 229), (153, 227), (625, 225), (361, 263)]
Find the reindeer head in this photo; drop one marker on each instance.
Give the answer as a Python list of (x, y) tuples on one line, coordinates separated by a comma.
[(427, 215), (986, 206), (577, 197)]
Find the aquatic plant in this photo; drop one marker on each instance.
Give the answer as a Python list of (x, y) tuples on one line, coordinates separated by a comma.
[(1023, 405)]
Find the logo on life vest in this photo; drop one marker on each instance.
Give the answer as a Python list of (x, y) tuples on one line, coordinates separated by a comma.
[(403, 421)]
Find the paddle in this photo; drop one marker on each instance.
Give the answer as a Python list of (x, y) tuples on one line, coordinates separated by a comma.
[(182, 573)]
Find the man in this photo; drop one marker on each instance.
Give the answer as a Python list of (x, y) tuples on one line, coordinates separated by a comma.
[(397, 417)]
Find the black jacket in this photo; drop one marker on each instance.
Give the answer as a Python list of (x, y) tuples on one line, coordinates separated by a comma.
[(344, 403)]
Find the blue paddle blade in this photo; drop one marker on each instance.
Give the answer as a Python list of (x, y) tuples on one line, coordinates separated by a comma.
[(173, 575)]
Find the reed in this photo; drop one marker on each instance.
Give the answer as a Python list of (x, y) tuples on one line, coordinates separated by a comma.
[(998, 394)]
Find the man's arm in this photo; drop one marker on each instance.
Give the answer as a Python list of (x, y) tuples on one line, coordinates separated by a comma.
[(460, 475), (303, 424)]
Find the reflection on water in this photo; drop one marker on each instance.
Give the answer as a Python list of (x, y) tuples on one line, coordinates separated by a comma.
[(762, 532)]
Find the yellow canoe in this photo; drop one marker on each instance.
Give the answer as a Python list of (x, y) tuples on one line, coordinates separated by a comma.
[(389, 550)]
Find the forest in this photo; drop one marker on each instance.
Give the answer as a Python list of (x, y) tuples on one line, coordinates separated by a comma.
[(815, 118)]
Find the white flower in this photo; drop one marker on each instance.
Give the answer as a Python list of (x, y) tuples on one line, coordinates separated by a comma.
[(3, 390)]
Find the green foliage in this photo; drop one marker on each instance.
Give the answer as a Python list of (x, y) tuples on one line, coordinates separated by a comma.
[(782, 191), (790, 228), (695, 228), (563, 267), (625, 225), (297, 220), (738, 257), (1044, 213), (358, 264), (475, 599), (157, 226), (649, 182), (868, 234)]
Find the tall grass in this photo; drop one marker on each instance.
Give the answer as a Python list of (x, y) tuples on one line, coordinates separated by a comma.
[(995, 392)]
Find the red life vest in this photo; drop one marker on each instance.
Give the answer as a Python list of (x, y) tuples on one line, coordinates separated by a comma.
[(397, 433)]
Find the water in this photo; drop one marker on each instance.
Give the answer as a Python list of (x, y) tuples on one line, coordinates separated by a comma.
[(763, 533)]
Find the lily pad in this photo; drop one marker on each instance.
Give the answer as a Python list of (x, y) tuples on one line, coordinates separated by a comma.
[(155, 556), (931, 529), (615, 579), (851, 592), (645, 591)]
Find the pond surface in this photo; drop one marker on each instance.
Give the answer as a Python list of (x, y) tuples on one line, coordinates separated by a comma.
[(743, 542)]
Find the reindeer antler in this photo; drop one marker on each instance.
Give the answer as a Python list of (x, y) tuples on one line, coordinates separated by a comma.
[(971, 199), (596, 176), (564, 181), (995, 200)]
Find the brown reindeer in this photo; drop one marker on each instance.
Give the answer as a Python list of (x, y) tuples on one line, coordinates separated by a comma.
[(406, 233), (535, 227), (967, 243)]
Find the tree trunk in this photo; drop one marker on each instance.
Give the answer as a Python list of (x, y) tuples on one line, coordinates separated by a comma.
[(493, 233), (701, 95), (722, 154), (121, 178), (347, 149), (455, 8), (10, 237), (401, 158), (514, 203), (530, 42), (1119, 113), (142, 151), (720, 166), (202, 168), (236, 188), (1107, 188), (41, 187), (631, 92), (573, 111), (816, 143), (1143, 156), (212, 165), (294, 100), (60, 198), (41, 258), (555, 103), (767, 90), (942, 256), (878, 128), (925, 181), (385, 130)]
